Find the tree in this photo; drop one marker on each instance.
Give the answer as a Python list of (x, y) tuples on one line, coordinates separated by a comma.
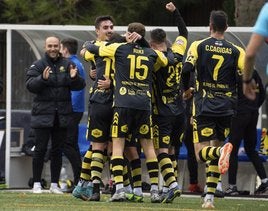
[(41, 12), (149, 12), (80, 12), (247, 11)]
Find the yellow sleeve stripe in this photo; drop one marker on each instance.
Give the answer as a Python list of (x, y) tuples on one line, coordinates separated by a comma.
[(192, 54), (89, 56), (241, 58), (109, 50), (161, 60)]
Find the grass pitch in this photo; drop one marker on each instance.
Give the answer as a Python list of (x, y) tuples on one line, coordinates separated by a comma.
[(24, 200)]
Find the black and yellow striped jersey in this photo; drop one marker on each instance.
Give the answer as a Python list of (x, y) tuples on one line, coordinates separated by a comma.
[(216, 63), (103, 67), (133, 73), (167, 95)]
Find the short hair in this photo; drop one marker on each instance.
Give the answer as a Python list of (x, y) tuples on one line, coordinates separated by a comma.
[(116, 38), (102, 18), (158, 36), (54, 36), (71, 44), (218, 19), (137, 27)]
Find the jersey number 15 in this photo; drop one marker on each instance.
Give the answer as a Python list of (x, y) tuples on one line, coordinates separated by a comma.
[(137, 68)]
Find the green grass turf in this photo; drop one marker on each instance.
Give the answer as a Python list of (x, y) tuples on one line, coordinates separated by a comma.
[(24, 200)]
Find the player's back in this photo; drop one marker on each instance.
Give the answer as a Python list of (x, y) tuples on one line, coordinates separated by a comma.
[(216, 66), (217, 62), (167, 96), (133, 76)]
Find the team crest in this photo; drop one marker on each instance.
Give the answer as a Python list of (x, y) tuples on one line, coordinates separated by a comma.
[(207, 132), (62, 69), (123, 91), (144, 129), (96, 133), (166, 139)]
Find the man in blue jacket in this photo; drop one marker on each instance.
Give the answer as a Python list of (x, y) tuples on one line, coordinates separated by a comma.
[(71, 150)]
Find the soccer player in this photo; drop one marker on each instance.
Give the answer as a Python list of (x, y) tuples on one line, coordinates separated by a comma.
[(168, 105), (100, 114), (215, 61), (132, 103)]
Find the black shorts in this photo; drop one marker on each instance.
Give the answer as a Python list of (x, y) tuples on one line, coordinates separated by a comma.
[(168, 130), (206, 128), (131, 121), (131, 141), (99, 122)]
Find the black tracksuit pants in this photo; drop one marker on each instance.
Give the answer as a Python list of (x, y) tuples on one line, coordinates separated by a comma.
[(244, 127)]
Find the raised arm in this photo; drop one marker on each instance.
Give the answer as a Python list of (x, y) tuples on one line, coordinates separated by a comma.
[(179, 20)]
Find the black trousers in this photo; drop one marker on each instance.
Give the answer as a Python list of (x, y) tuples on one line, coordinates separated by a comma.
[(70, 145), (244, 127), (43, 135)]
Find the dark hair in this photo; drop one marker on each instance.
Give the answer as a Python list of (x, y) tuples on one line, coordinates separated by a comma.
[(71, 44), (218, 19), (137, 27), (102, 18), (158, 36), (116, 38)]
